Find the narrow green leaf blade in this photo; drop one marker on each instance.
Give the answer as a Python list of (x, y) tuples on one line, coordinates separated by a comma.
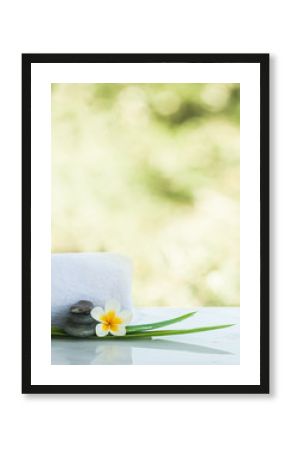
[(57, 331), (152, 326), (146, 334), (176, 332)]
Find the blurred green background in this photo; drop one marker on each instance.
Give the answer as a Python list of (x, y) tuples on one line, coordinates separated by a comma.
[(151, 171)]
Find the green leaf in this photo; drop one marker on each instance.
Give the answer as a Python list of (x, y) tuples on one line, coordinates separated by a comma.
[(152, 326), (57, 332), (176, 332)]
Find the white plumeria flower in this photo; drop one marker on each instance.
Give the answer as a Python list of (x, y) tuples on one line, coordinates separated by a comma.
[(112, 319)]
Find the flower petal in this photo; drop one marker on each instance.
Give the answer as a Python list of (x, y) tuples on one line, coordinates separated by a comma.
[(119, 330), (101, 330), (97, 312), (126, 316), (112, 305)]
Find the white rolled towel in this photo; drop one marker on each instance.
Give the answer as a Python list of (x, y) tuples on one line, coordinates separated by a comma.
[(96, 277)]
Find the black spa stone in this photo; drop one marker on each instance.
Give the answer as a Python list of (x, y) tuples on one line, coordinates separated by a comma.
[(81, 307), (81, 318), (79, 322), (81, 330), (80, 312)]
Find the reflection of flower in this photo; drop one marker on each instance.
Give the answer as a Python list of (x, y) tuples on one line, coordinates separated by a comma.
[(113, 352), (112, 319)]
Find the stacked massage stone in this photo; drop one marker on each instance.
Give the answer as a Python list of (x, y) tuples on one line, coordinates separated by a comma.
[(79, 322)]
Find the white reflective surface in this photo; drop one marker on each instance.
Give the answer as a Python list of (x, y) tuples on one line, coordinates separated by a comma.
[(211, 347)]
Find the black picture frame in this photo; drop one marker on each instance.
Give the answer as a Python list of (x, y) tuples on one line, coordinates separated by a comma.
[(263, 61)]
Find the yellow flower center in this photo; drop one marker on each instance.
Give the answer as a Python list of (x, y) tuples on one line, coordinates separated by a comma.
[(110, 321)]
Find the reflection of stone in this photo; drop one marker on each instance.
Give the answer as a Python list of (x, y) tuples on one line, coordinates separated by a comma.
[(87, 352), (73, 351)]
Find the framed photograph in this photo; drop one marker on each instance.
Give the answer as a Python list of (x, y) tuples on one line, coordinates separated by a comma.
[(145, 223)]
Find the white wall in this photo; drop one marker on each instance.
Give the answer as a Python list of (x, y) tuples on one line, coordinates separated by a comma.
[(222, 422)]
